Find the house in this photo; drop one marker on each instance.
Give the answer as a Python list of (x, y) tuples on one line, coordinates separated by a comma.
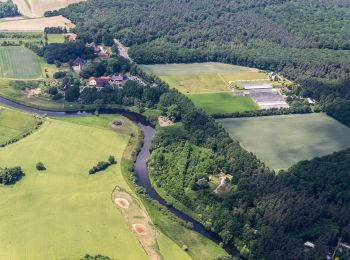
[(95, 47), (273, 76), (101, 81), (310, 101), (72, 37), (116, 80), (138, 80), (309, 245), (92, 82), (78, 64)]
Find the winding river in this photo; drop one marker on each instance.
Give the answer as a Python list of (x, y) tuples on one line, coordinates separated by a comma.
[(140, 168)]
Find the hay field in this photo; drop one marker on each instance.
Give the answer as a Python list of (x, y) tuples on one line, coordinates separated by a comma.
[(203, 77), (14, 123), (19, 63), (36, 24), (37, 8), (281, 141), (222, 102)]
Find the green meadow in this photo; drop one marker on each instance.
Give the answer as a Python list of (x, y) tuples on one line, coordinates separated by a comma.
[(224, 102), (281, 141), (55, 38), (19, 63), (207, 84), (14, 123)]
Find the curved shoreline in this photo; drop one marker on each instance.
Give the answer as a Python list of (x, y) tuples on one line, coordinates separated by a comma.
[(140, 166)]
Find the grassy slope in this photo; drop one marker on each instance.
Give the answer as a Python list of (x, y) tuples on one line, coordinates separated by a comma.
[(19, 62), (222, 102), (64, 212), (14, 123), (281, 141)]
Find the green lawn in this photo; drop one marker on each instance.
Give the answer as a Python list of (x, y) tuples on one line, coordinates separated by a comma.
[(19, 63), (222, 102), (55, 38), (281, 141), (14, 123)]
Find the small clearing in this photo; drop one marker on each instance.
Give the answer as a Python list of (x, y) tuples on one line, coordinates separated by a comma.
[(164, 121), (224, 185)]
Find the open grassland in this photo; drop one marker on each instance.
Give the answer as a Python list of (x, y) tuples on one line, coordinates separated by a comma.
[(14, 123), (223, 102), (207, 84), (64, 212), (203, 77), (37, 8), (33, 25), (19, 62), (55, 38), (281, 141)]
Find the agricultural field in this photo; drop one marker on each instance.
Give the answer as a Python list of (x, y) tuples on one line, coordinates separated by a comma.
[(35, 24), (207, 84), (281, 141), (14, 123), (70, 212), (19, 62), (224, 102), (55, 38), (37, 8)]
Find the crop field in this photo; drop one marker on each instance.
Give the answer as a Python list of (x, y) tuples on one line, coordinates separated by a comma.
[(14, 123), (281, 141), (37, 8), (222, 102), (35, 24), (55, 38), (19, 62)]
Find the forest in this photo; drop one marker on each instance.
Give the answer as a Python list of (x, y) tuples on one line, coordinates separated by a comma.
[(267, 214), (300, 39)]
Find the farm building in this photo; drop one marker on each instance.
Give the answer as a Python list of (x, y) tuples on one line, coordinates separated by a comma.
[(101, 81), (265, 95), (71, 37), (116, 80)]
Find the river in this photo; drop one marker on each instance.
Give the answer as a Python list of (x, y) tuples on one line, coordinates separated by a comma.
[(140, 167)]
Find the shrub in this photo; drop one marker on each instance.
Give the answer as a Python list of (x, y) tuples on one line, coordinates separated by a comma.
[(11, 175), (40, 166)]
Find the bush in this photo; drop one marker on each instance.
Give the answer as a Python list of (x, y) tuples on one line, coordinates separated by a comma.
[(40, 166), (11, 175), (112, 159)]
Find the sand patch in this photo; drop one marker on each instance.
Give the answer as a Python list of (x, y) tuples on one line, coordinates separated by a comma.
[(138, 220), (123, 203), (225, 184), (139, 229)]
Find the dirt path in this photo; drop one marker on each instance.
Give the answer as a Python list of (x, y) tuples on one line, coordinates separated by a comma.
[(138, 221)]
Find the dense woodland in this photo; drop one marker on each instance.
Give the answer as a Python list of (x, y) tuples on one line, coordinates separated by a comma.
[(267, 215), (8, 9)]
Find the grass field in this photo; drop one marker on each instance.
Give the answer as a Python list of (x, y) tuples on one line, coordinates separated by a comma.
[(281, 141), (19, 62), (207, 84), (14, 123), (205, 77), (64, 212), (55, 38), (222, 102)]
